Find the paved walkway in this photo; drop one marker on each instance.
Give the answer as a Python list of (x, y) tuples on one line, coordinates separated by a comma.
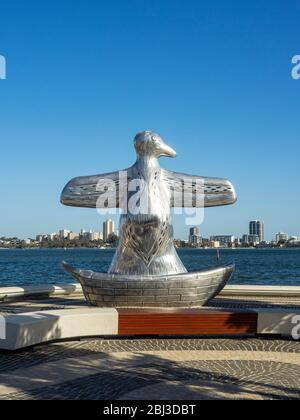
[(70, 302), (163, 369)]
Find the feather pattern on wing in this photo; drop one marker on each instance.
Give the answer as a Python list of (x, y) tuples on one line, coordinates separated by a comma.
[(98, 191), (196, 191)]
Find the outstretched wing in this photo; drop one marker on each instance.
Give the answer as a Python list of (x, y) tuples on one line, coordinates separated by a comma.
[(98, 191), (197, 191)]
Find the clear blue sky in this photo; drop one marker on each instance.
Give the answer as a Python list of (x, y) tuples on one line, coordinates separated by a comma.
[(212, 77)]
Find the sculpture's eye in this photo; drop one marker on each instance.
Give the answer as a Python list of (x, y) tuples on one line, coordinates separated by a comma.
[(155, 139)]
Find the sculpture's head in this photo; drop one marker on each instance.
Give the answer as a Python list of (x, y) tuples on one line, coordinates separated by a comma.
[(149, 143)]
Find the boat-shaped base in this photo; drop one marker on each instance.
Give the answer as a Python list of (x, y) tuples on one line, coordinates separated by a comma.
[(193, 289)]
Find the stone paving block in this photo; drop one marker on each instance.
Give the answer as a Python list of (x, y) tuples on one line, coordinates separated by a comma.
[(218, 368)]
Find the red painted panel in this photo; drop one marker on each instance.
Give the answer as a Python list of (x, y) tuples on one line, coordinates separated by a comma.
[(186, 322)]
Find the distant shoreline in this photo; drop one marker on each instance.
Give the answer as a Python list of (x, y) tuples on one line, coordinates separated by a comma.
[(181, 248)]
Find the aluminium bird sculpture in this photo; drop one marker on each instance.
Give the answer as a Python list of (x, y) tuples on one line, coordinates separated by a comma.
[(146, 258)]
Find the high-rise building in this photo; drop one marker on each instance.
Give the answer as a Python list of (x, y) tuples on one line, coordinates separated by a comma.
[(195, 231), (108, 229), (256, 227), (195, 238)]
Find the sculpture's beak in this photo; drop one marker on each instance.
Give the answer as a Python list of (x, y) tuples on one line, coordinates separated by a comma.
[(167, 151)]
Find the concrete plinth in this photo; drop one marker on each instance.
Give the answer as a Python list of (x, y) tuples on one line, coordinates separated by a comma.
[(285, 323), (29, 329), (25, 330)]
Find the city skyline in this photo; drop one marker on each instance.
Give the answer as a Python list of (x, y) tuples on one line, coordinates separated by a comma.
[(193, 234), (214, 79), (181, 233)]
